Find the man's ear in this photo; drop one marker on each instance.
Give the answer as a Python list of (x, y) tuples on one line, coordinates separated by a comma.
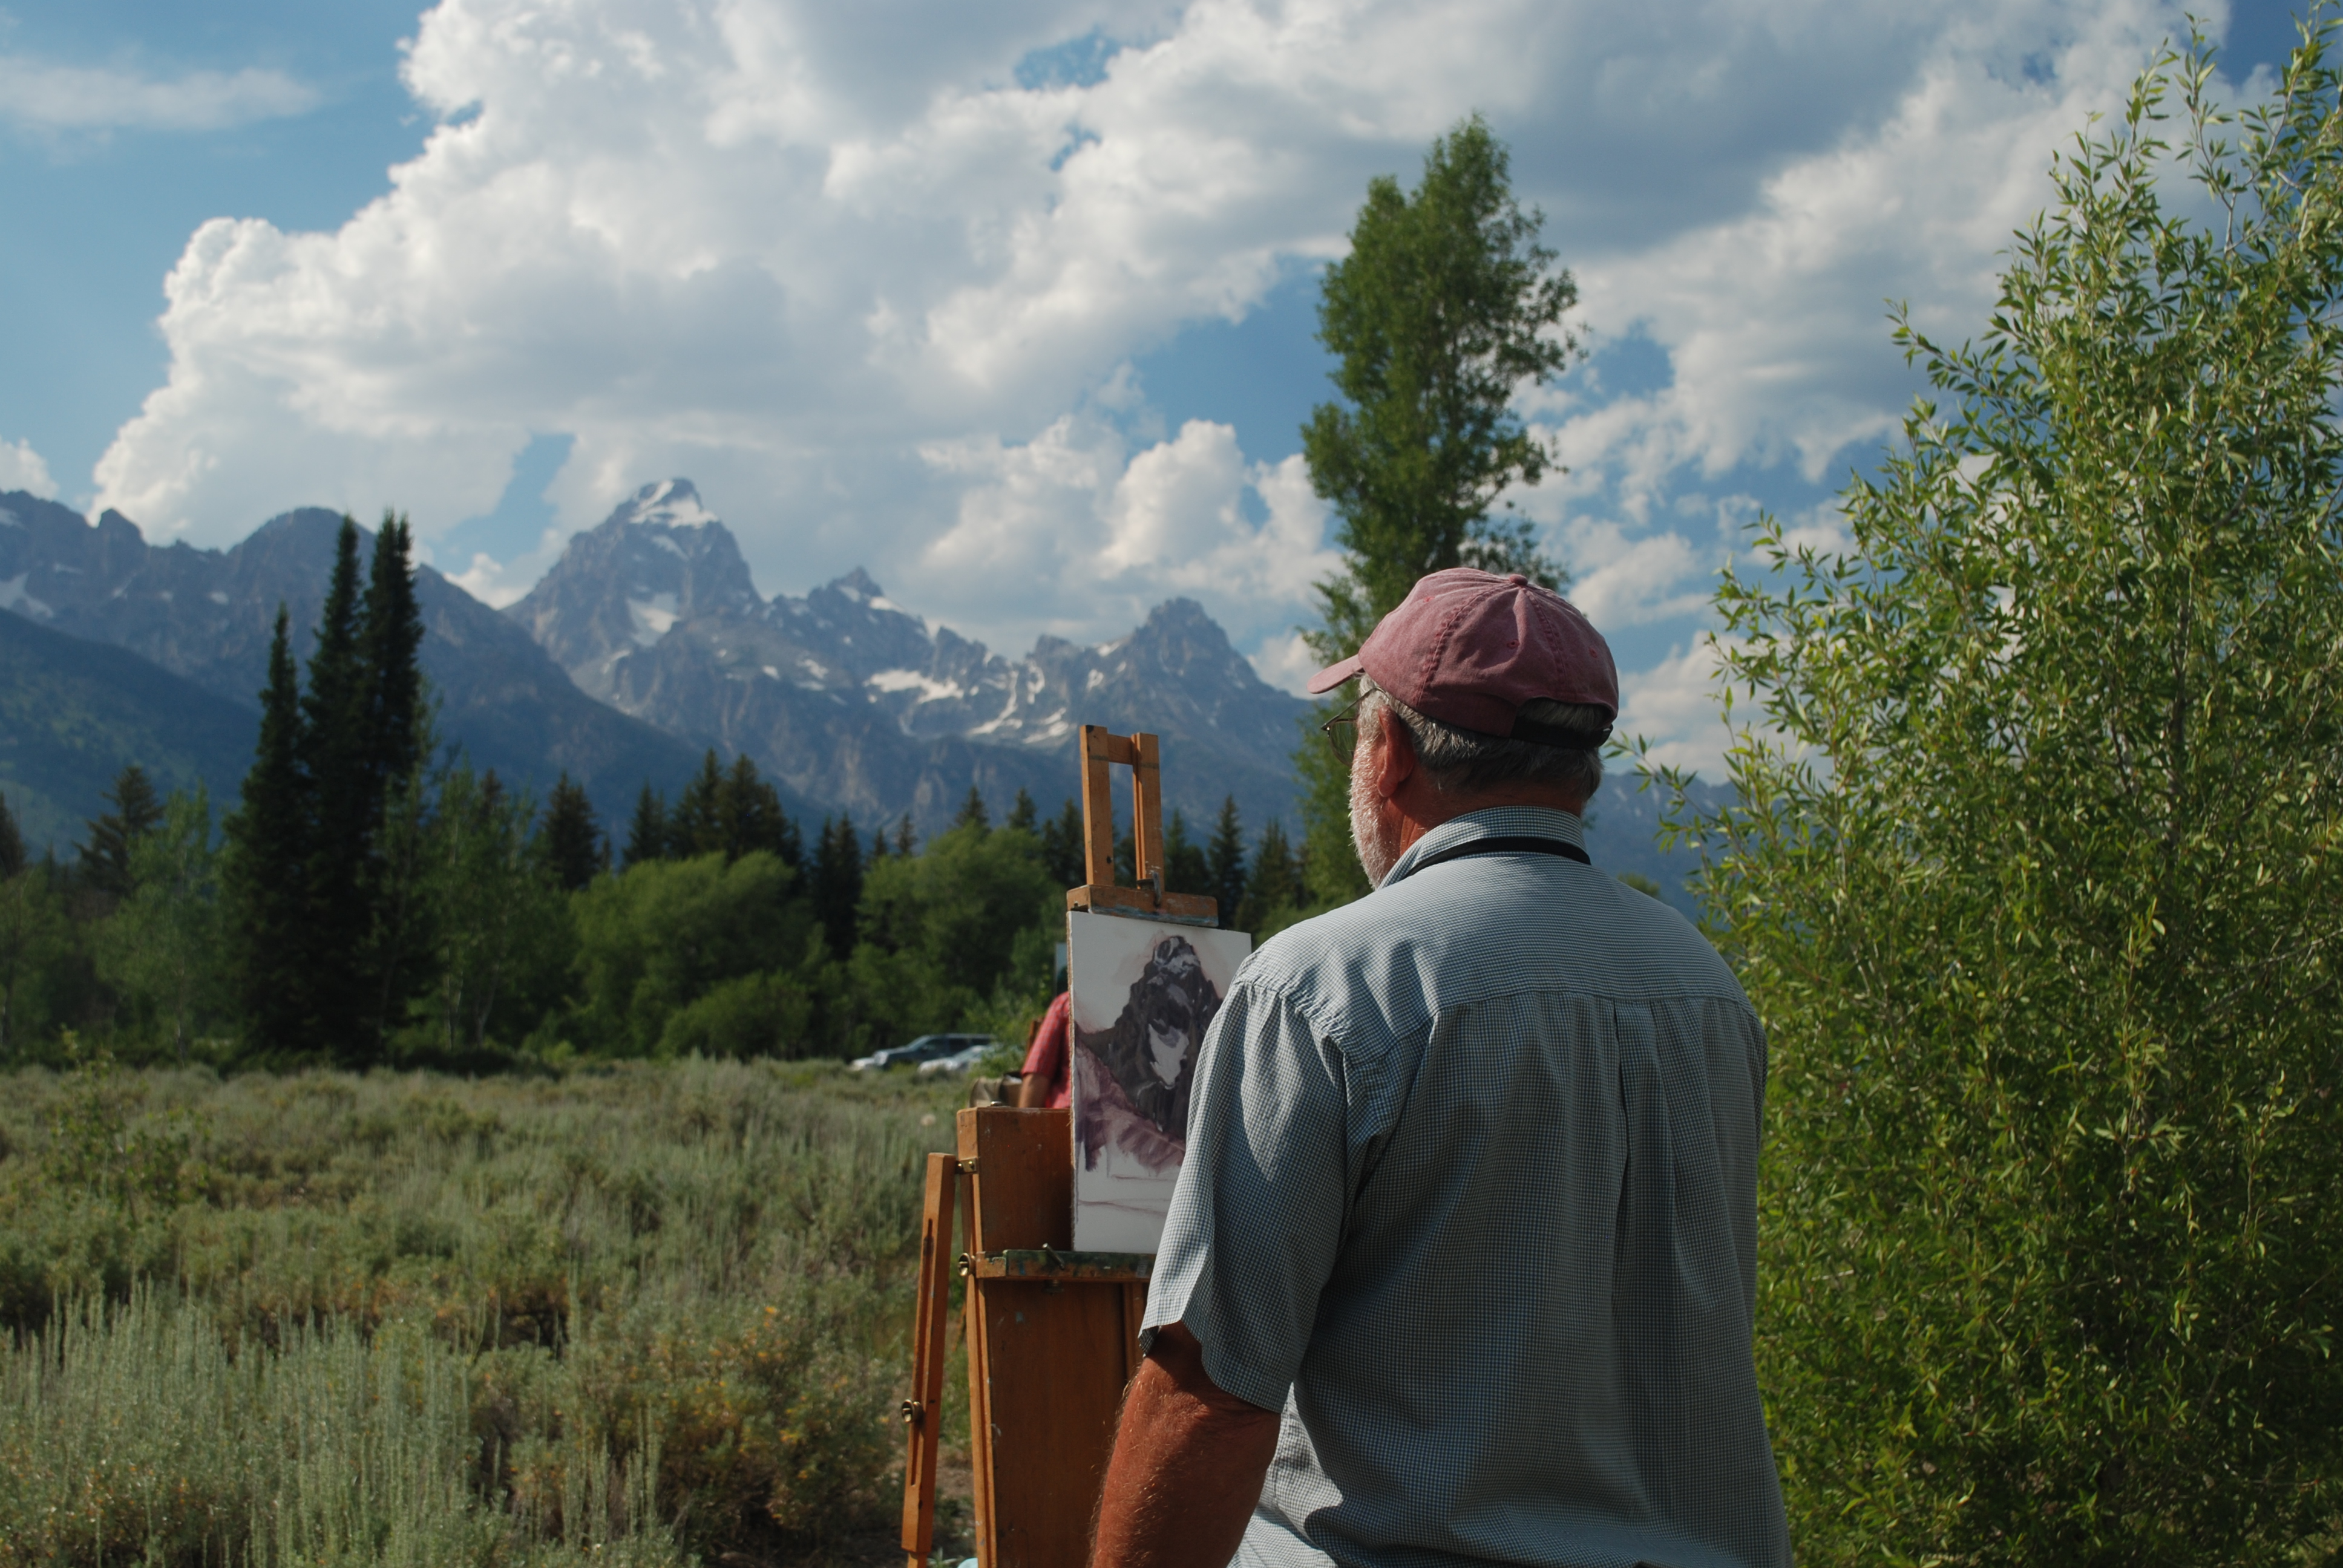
[(1394, 760)]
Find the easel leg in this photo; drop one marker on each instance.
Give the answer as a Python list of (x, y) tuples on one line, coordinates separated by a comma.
[(924, 1412)]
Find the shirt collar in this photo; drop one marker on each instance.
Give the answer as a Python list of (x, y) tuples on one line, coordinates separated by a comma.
[(1491, 823)]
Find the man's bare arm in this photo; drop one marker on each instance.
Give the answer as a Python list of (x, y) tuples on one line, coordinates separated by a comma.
[(1188, 1465)]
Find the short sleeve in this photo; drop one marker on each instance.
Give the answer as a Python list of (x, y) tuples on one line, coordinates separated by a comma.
[(1257, 1215)]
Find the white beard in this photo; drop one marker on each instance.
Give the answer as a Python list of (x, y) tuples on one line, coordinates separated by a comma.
[(1376, 841)]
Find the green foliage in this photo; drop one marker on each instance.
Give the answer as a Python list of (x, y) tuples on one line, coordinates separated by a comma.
[(101, 1146), (630, 1316), (647, 830), (1274, 891), (344, 804), (106, 859), (1224, 862), (12, 842), (32, 937), (572, 841), (941, 928), (1185, 869), (1329, 867), (838, 883), (1446, 306), (769, 1013), (722, 812), (665, 935), (1063, 854), (500, 923), (161, 949), (314, 854), (267, 872), (2035, 880)]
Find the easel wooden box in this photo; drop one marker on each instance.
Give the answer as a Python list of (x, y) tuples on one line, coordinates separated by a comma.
[(1052, 1334)]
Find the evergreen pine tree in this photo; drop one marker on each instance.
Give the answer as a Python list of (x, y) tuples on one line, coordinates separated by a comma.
[(838, 882), (338, 766), (750, 818), (114, 835), (973, 813), (12, 844), (1275, 883), (392, 740), (571, 836), (1224, 862), (647, 834), (1021, 815), (267, 873), (1185, 869), (904, 842), (694, 828), (1061, 848), (390, 639), (878, 846)]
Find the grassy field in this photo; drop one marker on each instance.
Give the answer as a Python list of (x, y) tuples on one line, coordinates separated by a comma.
[(639, 1316)]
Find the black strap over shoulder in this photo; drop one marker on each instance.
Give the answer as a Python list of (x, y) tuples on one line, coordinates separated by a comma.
[(1517, 845)]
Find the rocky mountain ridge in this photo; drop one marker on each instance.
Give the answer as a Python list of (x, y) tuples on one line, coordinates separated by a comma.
[(855, 702), (645, 644), (207, 616)]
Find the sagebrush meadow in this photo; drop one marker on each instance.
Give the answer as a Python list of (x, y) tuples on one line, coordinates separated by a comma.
[(640, 1315)]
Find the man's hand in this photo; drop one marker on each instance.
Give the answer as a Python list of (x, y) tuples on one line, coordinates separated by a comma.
[(1188, 1465)]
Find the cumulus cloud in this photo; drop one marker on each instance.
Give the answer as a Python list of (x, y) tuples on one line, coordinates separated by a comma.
[(1097, 534), (1673, 705), (877, 285), (43, 95), (21, 469)]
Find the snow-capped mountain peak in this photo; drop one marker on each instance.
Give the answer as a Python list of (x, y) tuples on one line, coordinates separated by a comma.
[(843, 691)]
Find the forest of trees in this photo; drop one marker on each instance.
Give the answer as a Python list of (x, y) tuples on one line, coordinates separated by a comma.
[(374, 900)]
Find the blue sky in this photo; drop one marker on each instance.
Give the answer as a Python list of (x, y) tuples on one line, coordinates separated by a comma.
[(1030, 323)]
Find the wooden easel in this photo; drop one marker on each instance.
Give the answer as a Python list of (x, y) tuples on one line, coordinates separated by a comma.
[(1052, 1333)]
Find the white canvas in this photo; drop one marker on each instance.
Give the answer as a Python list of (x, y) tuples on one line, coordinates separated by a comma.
[(1145, 992)]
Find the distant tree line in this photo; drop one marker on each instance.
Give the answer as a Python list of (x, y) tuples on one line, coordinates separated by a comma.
[(374, 900)]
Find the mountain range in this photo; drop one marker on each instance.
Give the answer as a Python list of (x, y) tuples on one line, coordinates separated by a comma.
[(207, 616), (853, 701), (646, 643)]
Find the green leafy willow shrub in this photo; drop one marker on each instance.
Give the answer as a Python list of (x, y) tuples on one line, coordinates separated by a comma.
[(668, 933), (688, 1283), (2034, 879)]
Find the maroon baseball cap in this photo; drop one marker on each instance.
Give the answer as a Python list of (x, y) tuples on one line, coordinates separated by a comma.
[(1468, 647)]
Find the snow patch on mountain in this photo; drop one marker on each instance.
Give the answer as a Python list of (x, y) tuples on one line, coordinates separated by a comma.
[(13, 596), (653, 618)]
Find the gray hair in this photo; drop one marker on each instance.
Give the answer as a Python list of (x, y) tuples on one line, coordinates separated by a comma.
[(1466, 762)]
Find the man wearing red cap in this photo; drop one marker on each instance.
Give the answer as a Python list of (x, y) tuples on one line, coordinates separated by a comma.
[(1462, 1263)]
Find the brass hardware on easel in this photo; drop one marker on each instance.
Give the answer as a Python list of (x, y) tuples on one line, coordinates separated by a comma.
[(965, 1167), (912, 1410)]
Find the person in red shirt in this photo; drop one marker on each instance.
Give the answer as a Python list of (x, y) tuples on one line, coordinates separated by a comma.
[(1047, 1084)]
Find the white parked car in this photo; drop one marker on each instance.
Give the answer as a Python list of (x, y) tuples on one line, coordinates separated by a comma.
[(926, 1048), (959, 1060)]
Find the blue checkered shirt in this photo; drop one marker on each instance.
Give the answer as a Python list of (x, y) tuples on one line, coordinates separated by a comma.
[(1470, 1196)]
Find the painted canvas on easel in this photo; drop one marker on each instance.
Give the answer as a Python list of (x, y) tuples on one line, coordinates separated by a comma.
[(1144, 994)]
